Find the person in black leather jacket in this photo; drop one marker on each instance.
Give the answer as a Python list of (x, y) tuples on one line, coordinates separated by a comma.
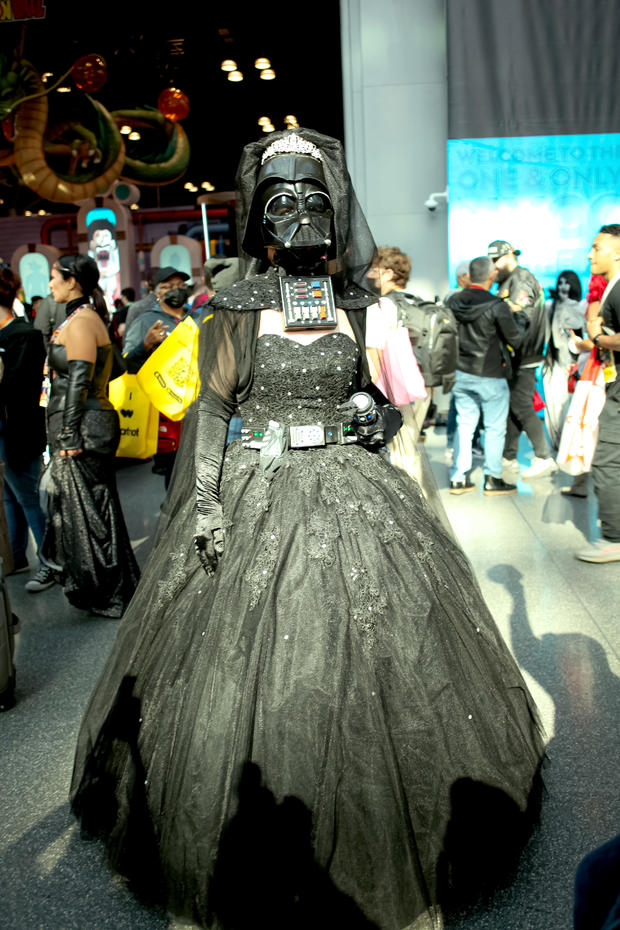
[(524, 295), (86, 538), (486, 329)]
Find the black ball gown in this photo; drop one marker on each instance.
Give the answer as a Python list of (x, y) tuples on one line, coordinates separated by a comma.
[(328, 732)]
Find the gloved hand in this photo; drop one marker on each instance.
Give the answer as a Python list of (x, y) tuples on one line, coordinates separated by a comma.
[(209, 547), (209, 455), (80, 376)]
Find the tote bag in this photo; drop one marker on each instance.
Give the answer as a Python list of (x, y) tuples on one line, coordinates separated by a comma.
[(170, 374), (580, 432), (138, 418)]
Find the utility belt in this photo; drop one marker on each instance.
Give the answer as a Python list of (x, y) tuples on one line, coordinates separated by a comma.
[(303, 435)]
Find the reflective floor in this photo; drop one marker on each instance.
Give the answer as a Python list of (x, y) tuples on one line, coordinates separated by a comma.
[(559, 616)]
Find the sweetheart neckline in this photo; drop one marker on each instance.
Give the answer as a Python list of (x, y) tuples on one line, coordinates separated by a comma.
[(305, 345)]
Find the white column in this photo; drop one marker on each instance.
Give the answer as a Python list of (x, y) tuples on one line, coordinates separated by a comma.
[(395, 109)]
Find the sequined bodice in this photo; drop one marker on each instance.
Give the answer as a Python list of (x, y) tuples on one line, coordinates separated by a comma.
[(295, 383)]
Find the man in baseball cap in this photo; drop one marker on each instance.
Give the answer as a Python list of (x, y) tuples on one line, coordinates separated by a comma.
[(500, 247), (146, 333), (524, 295)]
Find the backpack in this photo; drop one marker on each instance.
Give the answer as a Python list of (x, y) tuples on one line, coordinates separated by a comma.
[(434, 337)]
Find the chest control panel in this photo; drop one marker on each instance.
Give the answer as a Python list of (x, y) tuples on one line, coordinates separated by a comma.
[(308, 303)]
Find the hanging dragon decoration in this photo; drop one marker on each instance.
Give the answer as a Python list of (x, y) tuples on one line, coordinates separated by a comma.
[(75, 158)]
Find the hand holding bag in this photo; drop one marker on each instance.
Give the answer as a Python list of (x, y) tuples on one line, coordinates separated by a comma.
[(170, 374)]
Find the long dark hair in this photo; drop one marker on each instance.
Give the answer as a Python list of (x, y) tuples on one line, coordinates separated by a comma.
[(575, 290), (84, 269)]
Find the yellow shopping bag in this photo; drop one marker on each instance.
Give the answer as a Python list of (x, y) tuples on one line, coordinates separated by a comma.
[(170, 374), (138, 418)]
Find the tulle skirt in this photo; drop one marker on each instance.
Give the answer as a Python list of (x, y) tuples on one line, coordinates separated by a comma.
[(330, 731)]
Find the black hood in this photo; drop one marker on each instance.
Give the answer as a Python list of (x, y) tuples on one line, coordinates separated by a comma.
[(468, 304)]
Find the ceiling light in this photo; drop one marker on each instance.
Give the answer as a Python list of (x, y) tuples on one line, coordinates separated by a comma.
[(45, 77), (42, 212), (229, 65), (268, 127), (268, 74), (67, 90), (262, 63), (27, 212), (188, 185), (133, 206), (264, 121), (207, 186), (125, 130), (237, 75), (134, 136)]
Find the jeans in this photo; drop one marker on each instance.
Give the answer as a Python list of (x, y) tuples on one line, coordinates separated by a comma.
[(22, 505), (523, 417), (473, 395), (451, 426)]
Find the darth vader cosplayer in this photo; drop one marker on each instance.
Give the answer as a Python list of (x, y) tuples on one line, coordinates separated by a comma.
[(309, 718)]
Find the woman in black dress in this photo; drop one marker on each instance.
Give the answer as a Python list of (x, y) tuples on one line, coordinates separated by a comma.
[(315, 723), (86, 537)]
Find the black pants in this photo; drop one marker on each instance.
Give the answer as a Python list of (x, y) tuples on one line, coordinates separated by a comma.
[(522, 417), (606, 469)]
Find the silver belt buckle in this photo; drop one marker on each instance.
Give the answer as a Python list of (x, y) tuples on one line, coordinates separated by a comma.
[(306, 436)]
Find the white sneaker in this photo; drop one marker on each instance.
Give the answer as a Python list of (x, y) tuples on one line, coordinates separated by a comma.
[(510, 465), (540, 468), (602, 550)]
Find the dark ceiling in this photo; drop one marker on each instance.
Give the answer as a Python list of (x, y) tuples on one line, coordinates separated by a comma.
[(149, 47)]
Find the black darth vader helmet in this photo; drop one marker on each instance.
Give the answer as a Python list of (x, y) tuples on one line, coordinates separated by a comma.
[(318, 161), (291, 207)]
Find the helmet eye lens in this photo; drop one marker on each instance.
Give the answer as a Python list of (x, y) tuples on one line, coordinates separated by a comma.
[(317, 203), (281, 205)]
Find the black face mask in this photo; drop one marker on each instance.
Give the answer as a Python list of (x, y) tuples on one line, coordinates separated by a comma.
[(176, 297)]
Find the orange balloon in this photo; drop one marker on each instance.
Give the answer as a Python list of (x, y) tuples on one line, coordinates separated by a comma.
[(90, 72), (173, 103)]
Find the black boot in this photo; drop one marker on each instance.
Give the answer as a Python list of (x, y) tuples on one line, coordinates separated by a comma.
[(494, 486)]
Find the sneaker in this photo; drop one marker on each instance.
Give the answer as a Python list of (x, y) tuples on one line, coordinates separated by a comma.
[(602, 550), (19, 566), (494, 486), (510, 464), (540, 468), (43, 579), (461, 487)]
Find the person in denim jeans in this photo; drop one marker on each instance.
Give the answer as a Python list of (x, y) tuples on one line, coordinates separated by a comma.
[(486, 329)]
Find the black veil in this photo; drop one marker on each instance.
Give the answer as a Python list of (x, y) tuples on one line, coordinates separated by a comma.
[(355, 246)]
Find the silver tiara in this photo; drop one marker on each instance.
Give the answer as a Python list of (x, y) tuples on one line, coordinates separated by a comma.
[(291, 145)]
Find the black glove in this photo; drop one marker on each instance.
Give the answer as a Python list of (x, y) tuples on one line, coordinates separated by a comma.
[(209, 455), (80, 377)]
